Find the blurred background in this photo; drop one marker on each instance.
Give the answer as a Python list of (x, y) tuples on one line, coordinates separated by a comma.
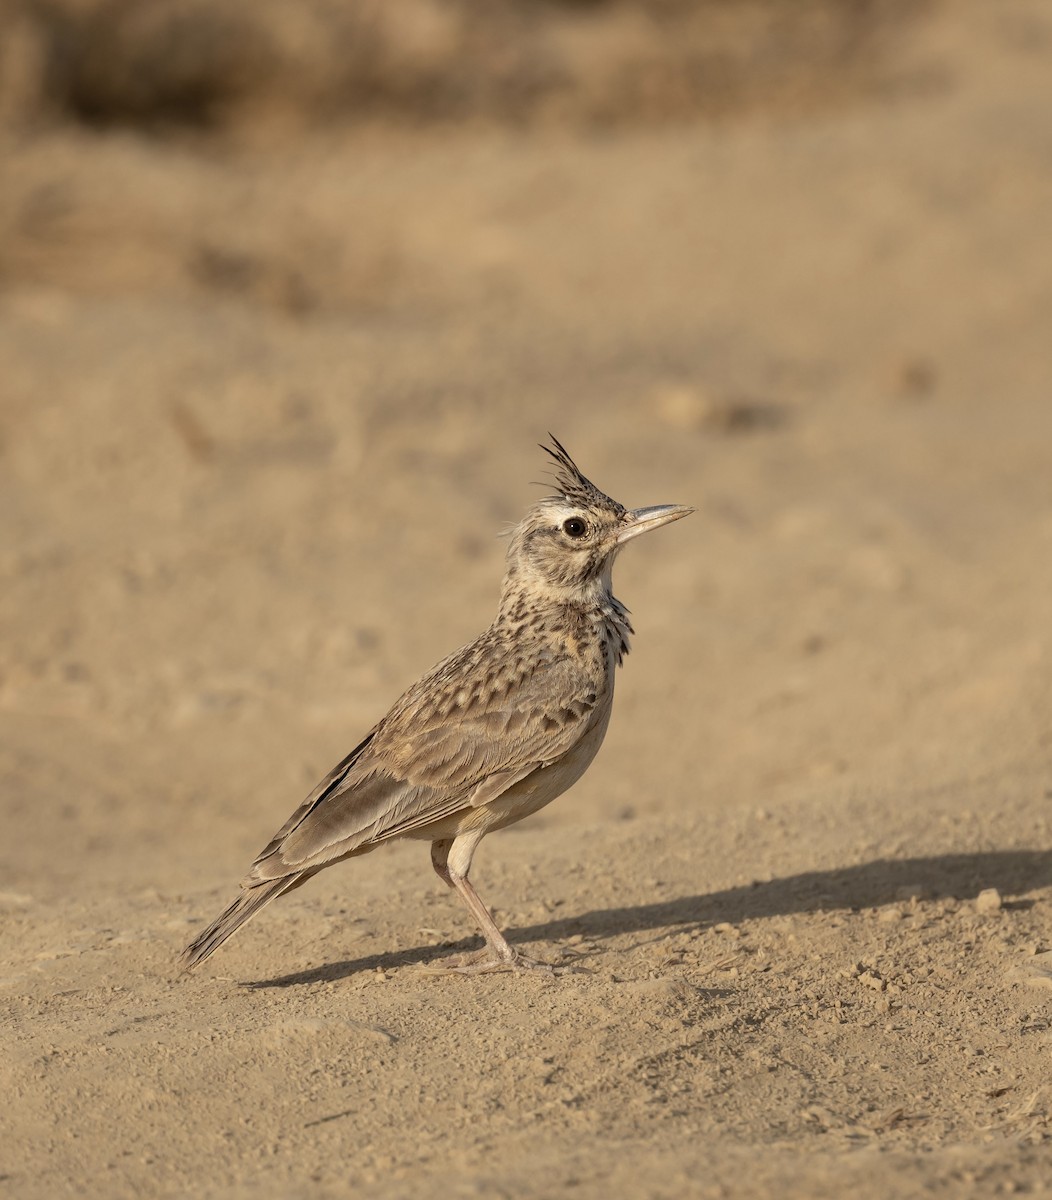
[(288, 292)]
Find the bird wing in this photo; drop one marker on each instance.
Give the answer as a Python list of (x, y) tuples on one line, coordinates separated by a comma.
[(437, 752)]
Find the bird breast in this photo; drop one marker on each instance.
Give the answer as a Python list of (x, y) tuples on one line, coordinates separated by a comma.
[(543, 785)]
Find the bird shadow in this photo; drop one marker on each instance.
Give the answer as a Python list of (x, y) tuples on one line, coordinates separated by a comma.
[(867, 885)]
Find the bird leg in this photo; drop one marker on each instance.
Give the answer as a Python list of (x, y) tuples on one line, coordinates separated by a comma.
[(498, 955)]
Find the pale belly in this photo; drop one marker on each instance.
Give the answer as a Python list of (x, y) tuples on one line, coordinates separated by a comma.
[(527, 796)]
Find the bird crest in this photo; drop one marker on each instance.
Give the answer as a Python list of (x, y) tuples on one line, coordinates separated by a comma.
[(571, 485)]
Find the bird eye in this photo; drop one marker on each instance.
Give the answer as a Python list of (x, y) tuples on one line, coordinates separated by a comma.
[(575, 527)]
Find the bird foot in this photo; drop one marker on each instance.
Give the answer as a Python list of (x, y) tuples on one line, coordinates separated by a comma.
[(484, 961)]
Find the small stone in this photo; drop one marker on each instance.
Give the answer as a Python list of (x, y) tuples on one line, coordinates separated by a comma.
[(663, 989), (1038, 971), (988, 901), (681, 406), (888, 915), (913, 891)]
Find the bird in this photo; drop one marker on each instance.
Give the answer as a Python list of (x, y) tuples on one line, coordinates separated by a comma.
[(492, 733)]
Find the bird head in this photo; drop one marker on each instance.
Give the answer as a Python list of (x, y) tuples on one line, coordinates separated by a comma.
[(566, 544)]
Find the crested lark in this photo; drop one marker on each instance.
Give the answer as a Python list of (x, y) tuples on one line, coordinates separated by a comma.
[(492, 733)]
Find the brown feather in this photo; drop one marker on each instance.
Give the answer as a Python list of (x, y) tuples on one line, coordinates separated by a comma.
[(493, 732)]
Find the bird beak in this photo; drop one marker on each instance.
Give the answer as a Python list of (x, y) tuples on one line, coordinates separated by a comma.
[(641, 520)]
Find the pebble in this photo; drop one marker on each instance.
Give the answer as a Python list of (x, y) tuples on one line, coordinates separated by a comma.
[(988, 901), (913, 891), (665, 989), (1038, 971)]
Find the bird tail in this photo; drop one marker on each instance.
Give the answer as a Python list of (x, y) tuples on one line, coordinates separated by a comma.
[(247, 904)]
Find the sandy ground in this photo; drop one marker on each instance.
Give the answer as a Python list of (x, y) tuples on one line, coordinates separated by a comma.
[(262, 415)]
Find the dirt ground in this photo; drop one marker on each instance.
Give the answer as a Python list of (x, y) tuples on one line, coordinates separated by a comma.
[(264, 404)]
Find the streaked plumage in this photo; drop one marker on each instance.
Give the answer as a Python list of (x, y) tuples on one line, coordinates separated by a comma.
[(489, 735)]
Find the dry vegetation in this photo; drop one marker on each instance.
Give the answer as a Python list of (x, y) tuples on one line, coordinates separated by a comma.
[(191, 64)]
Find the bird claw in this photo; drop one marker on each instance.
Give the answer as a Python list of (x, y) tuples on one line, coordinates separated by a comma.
[(485, 961)]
